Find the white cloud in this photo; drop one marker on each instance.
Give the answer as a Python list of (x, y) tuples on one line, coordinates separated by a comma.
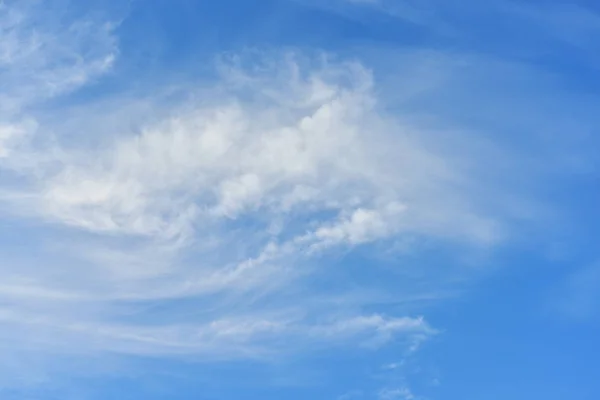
[(325, 147), (8, 135), (39, 59), (204, 227), (255, 336), (224, 203), (363, 225), (380, 330), (43, 56), (185, 209)]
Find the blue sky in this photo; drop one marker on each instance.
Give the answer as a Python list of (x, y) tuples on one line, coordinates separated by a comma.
[(299, 199)]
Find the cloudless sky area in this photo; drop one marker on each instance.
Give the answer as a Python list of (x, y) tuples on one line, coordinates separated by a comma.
[(300, 199)]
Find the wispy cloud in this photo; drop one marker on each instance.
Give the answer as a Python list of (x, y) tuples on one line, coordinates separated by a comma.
[(40, 58), (201, 227), (251, 183), (214, 176)]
